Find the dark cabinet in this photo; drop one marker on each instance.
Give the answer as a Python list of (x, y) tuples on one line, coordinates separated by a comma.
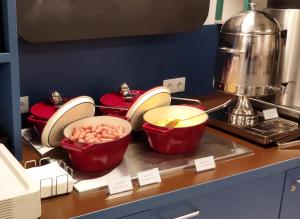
[(259, 199), (290, 208)]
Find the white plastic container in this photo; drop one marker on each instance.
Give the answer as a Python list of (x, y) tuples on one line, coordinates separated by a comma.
[(19, 195)]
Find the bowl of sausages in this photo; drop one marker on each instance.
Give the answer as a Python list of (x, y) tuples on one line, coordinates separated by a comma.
[(96, 143)]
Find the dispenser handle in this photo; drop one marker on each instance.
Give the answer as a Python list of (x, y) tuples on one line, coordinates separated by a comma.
[(284, 86)]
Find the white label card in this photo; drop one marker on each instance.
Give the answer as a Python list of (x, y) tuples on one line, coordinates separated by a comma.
[(270, 113), (205, 163), (149, 177), (122, 184)]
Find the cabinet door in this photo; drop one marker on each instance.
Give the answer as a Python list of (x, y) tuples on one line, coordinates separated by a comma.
[(259, 199), (290, 207)]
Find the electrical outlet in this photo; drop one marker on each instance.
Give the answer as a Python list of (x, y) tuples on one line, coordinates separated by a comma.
[(24, 104), (175, 85)]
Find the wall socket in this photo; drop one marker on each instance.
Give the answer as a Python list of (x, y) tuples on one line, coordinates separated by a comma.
[(175, 85), (24, 104)]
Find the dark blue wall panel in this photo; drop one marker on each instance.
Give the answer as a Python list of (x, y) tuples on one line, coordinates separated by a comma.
[(95, 67)]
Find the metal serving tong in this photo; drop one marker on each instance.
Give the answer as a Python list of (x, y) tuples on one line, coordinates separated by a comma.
[(287, 142)]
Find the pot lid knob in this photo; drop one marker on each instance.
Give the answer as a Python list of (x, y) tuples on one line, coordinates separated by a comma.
[(124, 89), (56, 98)]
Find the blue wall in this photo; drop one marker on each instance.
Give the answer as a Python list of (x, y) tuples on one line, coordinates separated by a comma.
[(95, 67)]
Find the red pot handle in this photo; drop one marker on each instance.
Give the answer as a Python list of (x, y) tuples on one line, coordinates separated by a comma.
[(34, 120), (150, 128), (73, 147)]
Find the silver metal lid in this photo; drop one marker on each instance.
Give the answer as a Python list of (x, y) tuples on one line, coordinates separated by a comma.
[(251, 22)]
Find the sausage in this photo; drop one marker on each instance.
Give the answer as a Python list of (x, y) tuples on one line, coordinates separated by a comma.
[(97, 133)]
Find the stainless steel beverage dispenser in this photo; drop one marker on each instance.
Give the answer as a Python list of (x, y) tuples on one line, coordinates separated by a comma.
[(289, 65), (247, 64), (247, 58)]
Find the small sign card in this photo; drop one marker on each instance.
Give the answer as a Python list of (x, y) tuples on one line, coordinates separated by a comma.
[(270, 113), (205, 163), (149, 177), (122, 184)]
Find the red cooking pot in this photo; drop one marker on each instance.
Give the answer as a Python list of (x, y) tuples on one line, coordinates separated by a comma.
[(40, 113), (181, 139), (38, 124), (97, 157), (117, 100)]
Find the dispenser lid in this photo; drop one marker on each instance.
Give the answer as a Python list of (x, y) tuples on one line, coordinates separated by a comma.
[(75, 109), (251, 22)]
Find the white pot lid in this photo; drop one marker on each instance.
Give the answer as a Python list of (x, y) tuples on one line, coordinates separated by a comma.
[(75, 109), (156, 97)]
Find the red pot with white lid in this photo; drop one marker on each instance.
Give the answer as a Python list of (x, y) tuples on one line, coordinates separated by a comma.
[(77, 113), (73, 110), (84, 107), (118, 103), (40, 113), (43, 110)]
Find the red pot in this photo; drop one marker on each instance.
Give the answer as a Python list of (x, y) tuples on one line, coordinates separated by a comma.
[(174, 140), (96, 157), (38, 124), (117, 100), (40, 113)]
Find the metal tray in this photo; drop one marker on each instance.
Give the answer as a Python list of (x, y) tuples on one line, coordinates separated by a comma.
[(139, 156), (263, 132)]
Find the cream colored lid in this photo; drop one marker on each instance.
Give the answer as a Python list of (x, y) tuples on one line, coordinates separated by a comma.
[(156, 97), (73, 110)]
